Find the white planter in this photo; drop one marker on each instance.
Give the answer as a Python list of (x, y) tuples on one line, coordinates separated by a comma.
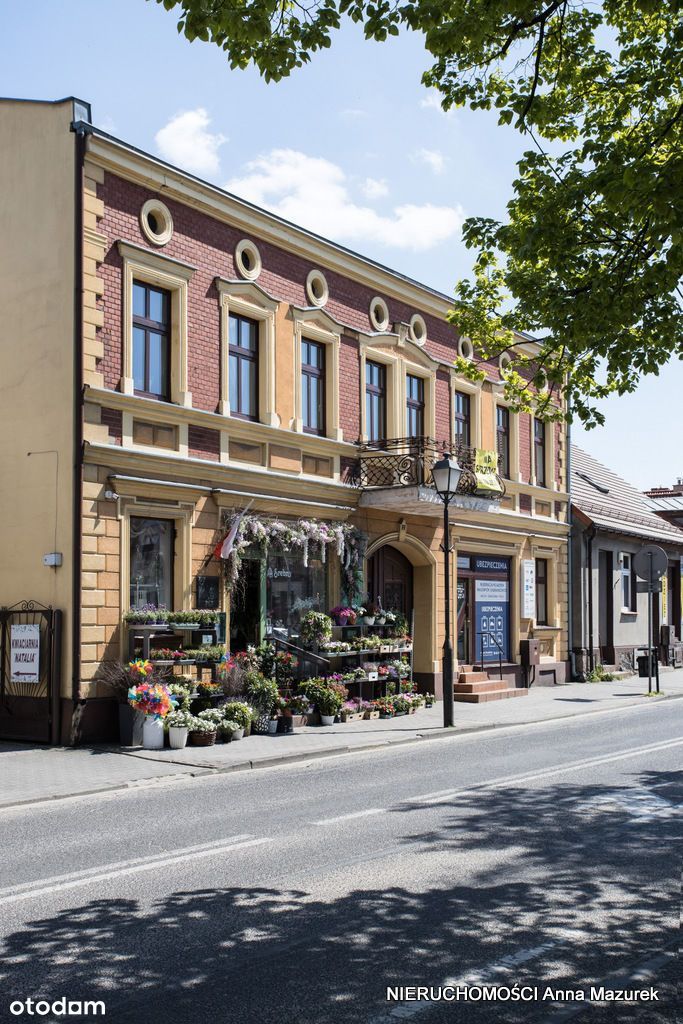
[(177, 737), (327, 719), (153, 733), (369, 620), (237, 734), (272, 726)]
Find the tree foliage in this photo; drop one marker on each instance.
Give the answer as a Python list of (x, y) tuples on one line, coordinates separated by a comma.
[(590, 256)]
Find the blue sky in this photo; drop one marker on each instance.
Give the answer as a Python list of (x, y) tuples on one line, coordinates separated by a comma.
[(352, 145)]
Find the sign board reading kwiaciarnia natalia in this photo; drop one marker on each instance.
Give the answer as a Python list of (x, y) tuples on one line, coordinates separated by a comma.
[(24, 653), (486, 471)]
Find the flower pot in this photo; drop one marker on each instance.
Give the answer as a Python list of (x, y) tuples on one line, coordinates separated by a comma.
[(237, 734), (177, 737), (272, 726), (130, 726), (342, 620), (153, 733), (202, 739), (370, 714), (381, 620), (327, 719), (369, 620)]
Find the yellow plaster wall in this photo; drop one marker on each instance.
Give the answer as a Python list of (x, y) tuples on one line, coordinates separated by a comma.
[(37, 153)]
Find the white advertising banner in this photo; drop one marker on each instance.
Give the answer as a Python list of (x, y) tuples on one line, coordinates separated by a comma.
[(528, 578), (25, 654)]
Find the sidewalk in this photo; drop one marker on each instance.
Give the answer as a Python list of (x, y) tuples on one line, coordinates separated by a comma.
[(32, 773)]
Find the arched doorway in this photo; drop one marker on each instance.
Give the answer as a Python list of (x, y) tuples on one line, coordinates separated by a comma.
[(390, 578)]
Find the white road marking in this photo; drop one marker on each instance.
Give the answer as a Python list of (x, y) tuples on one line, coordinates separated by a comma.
[(443, 796), (347, 817), (48, 886), (481, 975)]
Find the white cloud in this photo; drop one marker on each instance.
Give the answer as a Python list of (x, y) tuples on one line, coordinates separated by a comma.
[(435, 160), (374, 188), (187, 142), (432, 101), (314, 193)]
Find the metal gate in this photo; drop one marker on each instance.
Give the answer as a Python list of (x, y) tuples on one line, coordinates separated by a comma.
[(29, 710)]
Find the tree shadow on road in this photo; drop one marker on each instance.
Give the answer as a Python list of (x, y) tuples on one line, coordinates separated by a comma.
[(600, 883)]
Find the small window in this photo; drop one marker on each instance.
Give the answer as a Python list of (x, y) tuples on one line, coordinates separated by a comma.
[(313, 386), (539, 452), (418, 329), (248, 259), (379, 314), (541, 591), (243, 369), (461, 412), (628, 583), (415, 411), (156, 222), (375, 401), (466, 348), (503, 440), (316, 288), (151, 344), (158, 435), (151, 562)]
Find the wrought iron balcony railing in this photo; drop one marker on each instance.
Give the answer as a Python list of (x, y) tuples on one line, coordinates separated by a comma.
[(408, 461)]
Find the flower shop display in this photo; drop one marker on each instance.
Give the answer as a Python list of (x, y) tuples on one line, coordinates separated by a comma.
[(264, 696), (155, 702), (231, 730), (316, 628), (178, 724), (327, 698), (384, 707), (202, 732), (285, 535), (351, 711), (146, 615), (240, 712)]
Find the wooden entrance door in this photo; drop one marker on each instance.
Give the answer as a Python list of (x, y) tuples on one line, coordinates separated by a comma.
[(390, 577)]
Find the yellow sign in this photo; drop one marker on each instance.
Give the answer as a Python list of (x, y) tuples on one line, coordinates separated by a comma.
[(485, 471), (665, 595)]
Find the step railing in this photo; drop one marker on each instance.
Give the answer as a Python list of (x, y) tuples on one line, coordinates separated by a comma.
[(481, 634)]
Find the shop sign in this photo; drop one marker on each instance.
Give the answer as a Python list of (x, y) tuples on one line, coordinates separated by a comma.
[(483, 564), (528, 578), (464, 563), (486, 471), (491, 611), (278, 574), (25, 653), (665, 596)]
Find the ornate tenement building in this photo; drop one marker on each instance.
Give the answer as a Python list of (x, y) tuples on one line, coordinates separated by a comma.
[(172, 354)]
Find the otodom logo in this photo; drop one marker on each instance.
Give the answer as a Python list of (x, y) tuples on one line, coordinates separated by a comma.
[(61, 1007)]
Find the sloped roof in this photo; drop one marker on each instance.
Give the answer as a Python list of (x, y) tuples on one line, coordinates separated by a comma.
[(669, 503), (614, 505)]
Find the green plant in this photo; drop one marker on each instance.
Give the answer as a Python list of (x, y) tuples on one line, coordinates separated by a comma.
[(327, 698), (181, 719), (147, 615), (183, 693), (239, 712), (262, 693), (316, 627), (600, 675), (199, 724), (229, 725), (399, 625)]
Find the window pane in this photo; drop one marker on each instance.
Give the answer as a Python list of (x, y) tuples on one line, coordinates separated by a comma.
[(234, 330), (139, 358), (234, 383), (248, 335), (138, 299), (151, 562), (248, 378), (157, 363), (315, 406), (156, 306)]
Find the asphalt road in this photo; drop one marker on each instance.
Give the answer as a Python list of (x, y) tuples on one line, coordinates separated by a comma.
[(539, 856)]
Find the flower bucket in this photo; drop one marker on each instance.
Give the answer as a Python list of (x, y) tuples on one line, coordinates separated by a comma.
[(327, 719), (177, 738), (272, 726), (369, 620), (237, 734), (153, 733), (130, 726)]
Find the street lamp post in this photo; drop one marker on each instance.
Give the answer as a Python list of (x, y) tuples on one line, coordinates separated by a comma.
[(446, 474)]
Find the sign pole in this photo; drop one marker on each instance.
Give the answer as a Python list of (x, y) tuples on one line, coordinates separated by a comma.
[(649, 638)]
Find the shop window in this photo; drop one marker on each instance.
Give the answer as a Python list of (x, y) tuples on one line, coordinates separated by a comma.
[(539, 452), (243, 352), (503, 440), (151, 344), (415, 406), (151, 562), (541, 592), (157, 435), (461, 408), (375, 401), (313, 386), (292, 589)]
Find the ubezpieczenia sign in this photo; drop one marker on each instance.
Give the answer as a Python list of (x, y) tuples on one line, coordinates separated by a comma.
[(25, 653)]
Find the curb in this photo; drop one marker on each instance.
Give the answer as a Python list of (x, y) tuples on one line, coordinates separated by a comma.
[(198, 770)]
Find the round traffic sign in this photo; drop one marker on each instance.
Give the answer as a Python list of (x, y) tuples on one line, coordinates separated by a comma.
[(650, 563)]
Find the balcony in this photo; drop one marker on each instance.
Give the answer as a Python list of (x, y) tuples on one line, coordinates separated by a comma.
[(397, 474)]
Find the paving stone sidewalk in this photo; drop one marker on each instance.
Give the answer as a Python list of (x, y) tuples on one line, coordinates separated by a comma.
[(33, 773)]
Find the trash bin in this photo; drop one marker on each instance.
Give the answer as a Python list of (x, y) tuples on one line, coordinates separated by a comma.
[(642, 666)]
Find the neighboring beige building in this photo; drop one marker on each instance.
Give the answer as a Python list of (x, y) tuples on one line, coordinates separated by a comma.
[(171, 354)]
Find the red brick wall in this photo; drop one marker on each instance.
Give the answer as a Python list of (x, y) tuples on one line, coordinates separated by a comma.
[(112, 418), (442, 403), (524, 447), (203, 443)]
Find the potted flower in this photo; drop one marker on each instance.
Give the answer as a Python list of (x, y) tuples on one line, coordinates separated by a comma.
[(240, 712), (351, 711), (295, 711), (401, 704), (369, 710), (155, 702), (265, 698), (202, 732), (118, 679), (430, 699), (179, 724), (231, 730), (384, 706), (328, 702), (343, 615), (316, 628), (146, 615)]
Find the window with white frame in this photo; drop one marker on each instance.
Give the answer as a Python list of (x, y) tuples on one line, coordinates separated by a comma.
[(628, 588)]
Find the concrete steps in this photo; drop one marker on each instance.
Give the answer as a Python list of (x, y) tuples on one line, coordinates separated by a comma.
[(474, 686)]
